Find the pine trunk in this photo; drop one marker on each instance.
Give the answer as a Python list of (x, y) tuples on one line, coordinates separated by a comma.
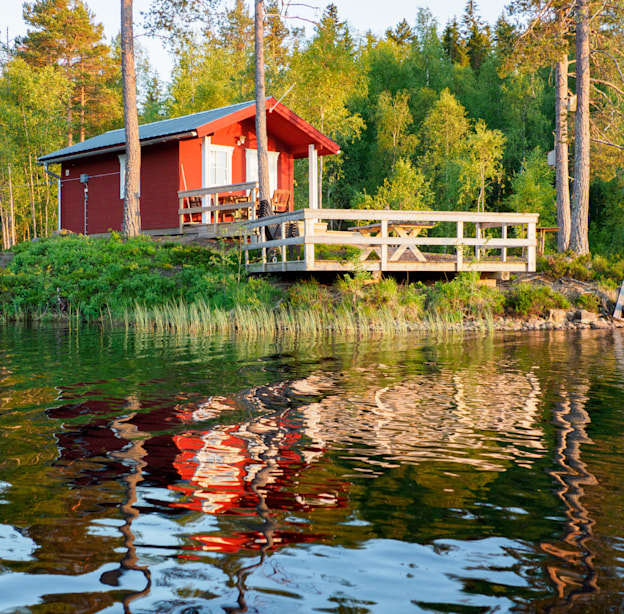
[(132, 214), (261, 127), (580, 195), (561, 154)]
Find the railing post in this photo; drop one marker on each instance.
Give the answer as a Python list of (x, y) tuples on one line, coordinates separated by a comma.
[(531, 255), (384, 246), (283, 248), (247, 245), (308, 248), (263, 250), (504, 237), (460, 246), (215, 214), (181, 215), (477, 236)]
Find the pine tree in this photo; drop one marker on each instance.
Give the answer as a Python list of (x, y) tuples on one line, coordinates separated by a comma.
[(402, 34), (63, 34), (476, 35), (131, 225)]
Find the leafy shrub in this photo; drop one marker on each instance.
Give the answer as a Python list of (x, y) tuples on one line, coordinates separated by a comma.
[(590, 302), (90, 276), (310, 295), (463, 297), (528, 300)]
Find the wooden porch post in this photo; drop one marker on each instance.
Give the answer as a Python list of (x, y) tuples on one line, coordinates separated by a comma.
[(460, 246), (504, 235), (313, 177), (308, 248), (384, 247), (531, 253)]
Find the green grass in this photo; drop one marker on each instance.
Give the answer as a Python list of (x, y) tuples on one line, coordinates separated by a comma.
[(90, 279), (156, 286)]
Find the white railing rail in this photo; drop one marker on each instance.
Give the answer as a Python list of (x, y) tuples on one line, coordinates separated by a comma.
[(212, 208), (312, 232)]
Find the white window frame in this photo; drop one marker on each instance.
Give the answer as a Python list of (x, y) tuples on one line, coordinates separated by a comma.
[(207, 149), (251, 168), (122, 176)]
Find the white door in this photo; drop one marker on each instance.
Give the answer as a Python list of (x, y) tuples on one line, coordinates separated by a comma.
[(251, 168)]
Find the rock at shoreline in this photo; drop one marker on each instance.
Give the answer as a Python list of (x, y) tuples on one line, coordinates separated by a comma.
[(584, 316), (5, 259)]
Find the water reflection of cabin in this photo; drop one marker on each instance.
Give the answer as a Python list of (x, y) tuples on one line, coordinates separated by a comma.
[(203, 150)]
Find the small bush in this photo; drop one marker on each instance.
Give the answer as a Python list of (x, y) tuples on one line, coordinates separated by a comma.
[(463, 297), (525, 300), (589, 302), (310, 295)]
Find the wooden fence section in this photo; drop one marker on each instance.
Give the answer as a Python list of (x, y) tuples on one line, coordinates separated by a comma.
[(392, 241), (219, 207)]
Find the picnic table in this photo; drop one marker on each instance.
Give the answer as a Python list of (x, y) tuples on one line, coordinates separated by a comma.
[(404, 230)]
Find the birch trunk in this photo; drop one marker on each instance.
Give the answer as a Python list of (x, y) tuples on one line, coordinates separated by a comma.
[(13, 233), (3, 221), (580, 195), (562, 171), (261, 127), (132, 214)]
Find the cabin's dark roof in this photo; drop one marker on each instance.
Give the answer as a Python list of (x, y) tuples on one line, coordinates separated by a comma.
[(161, 129)]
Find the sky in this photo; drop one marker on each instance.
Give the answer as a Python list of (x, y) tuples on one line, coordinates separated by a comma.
[(362, 15)]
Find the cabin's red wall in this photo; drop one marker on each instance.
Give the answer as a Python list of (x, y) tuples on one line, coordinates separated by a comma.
[(159, 191), (104, 207), (160, 182), (161, 178), (191, 163)]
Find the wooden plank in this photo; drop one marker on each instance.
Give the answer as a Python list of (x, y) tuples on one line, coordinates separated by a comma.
[(219, 189)]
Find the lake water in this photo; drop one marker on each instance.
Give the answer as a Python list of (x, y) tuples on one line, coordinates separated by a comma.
[(175, 474)]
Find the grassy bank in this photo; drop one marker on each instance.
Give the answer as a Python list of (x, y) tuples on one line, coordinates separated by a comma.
[(154, 285)]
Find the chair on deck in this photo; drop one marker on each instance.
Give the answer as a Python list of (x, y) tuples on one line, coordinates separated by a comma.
[(280, 201), (192, 202)]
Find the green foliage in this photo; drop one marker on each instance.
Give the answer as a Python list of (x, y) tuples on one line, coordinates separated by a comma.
[(63, 34), (310, 295), (606, 202), (69, 273), (599, 269), (480, 164), (463, 297), (567, 265), (527, 300), (533, 189), (589, 302), (405, 189)]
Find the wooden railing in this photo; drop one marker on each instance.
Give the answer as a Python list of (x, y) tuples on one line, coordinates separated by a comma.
[(388, 233), (216, 203)]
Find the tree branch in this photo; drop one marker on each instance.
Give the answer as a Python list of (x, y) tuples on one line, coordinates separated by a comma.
[(617, 66), (609, 84), (607, 143)]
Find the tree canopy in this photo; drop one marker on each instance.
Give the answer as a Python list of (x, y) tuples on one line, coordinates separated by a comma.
[(459, 116)]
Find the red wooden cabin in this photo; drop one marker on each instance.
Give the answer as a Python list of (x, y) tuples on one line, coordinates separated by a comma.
[(202, 150)]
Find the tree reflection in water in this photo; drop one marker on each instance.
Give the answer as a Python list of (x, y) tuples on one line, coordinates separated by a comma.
[(576, 552), (132, 456)]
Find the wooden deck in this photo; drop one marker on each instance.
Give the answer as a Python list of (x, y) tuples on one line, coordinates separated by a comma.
[(391, 241)]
